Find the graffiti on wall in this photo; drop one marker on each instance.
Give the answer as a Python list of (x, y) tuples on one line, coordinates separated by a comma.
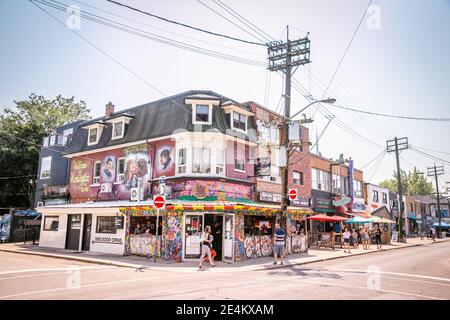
[(239, 249), (80, 177), (171, 242), (165, 159), (258, 246), (217, 190)]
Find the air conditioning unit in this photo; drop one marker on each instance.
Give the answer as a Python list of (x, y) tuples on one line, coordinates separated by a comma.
[(106, 188), (135, 194)]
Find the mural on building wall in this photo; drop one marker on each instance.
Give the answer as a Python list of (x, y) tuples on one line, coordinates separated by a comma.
[(171, 242), (164, 158), (212, 190), (80, 177), (258, 246), (239, 249), (108, 169)]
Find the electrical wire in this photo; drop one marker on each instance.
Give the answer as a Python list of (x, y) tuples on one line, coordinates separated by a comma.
[(377, 167), (422, 148), (425, 154), (183, 24), (374, 159)]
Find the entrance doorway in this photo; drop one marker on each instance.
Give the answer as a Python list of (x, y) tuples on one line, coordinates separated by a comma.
[(73, 231), (87, 226), (216, 223)]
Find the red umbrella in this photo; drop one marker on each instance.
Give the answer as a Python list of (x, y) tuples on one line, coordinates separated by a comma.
[(322, 217), (339, 218)]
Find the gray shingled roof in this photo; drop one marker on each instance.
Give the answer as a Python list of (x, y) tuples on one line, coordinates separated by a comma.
[(157, 119)]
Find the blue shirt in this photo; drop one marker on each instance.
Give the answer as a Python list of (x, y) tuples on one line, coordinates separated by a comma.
[(279, 237)]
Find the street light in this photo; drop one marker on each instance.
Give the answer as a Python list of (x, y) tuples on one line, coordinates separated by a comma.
[(329, 100)]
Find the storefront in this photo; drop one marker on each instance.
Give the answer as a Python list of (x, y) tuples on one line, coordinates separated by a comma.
[(412, 223)]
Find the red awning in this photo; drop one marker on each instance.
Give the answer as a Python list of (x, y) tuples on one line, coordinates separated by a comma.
[(322, 217)]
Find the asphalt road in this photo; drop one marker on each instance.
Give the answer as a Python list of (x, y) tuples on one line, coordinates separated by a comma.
[(409, 273)]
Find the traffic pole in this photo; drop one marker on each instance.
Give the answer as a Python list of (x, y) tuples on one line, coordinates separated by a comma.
[(157, 227)]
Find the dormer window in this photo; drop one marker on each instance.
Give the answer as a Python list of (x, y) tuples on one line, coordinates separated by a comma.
[(202, 108), (239, 121), (118, 130), (93, 136)]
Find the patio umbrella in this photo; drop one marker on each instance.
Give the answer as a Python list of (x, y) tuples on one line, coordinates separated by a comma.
[(321, 217), (339, 218), (443, 225), (357, 219), (384, 220)]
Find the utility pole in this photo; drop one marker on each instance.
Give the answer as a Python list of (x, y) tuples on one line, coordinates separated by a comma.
[(435, 172), (284, 56), (396, 145)]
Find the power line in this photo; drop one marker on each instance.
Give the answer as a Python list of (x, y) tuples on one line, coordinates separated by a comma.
[(423, 153), (219, 14), (183, 24), (374, 159), (422, 148), (377, 167), (346, 49), (150, 36), (391, 116)]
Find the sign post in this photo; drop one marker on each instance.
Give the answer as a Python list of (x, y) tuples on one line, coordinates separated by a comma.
[(159, 202)]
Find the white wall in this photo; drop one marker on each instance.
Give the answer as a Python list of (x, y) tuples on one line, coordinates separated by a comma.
[(102, 242), (378, 204), (54, 239)]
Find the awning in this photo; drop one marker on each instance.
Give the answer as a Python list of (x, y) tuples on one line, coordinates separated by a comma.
[(324, 210), (358, 220), (322, 217)]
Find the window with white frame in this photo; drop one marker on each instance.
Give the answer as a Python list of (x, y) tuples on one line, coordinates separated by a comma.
[(298, 177), (239, 121), (337, 186), (96, 173), (51, 223), (67, 136), (202, 113), (201, 160), (239, 157), (52, 140), (93, 136), (219, 161), (120, 170), (46, 165), (320, 179), (182, 160), (384, 197), (375, 196), (45, 141), (118, 130), (358, 189)]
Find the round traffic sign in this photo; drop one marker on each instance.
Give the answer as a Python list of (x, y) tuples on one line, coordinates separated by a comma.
[(293, 194), (159, 202)]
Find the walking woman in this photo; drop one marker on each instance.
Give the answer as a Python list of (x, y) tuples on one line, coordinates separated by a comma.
[(347, 235), (206, 243), (365, 238), (378, 233)]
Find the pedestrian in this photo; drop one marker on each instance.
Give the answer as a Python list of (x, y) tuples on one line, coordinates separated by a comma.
[(278, 244), (433, 233), (355, 239), (346, 237), (363, 238), (206, 243), (378, 233)]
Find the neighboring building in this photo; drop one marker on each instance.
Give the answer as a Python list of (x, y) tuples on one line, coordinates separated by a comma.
[(52, 178), (377, 200)]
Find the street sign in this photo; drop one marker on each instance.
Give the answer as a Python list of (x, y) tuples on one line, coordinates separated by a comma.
[(159, 202), (293, 194), (162, 180)]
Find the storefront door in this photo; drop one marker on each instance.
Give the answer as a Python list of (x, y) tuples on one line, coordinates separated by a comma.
[(73, 231), (193, 228), (228, 237), (87, 226)]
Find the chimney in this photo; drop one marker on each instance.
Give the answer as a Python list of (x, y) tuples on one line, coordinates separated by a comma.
[(109, 110)]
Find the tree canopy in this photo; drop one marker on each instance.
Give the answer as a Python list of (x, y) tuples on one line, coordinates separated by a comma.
[(413, 183), (22, 129)]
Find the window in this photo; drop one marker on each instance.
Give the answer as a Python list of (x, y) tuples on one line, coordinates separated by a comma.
[(219, 161), (298, 177), (320, 180), (46, 165), (67, 136), (120, 170), (358, 189), (117, 130), (45, 142), (106, 225), (239, 121), (325, 181), (201, 160), (51, 223), (239, 164), (384, 197), (202, 113), (181, 161), (96, 176), (52, 140), (375, 196), (337, 186), (93, 135), (315, 178)]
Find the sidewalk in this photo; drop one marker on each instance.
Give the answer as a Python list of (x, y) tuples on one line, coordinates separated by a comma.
[(313, 255)]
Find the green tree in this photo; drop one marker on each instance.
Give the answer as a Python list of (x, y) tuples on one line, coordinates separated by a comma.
[(22, 129), (413, 183)]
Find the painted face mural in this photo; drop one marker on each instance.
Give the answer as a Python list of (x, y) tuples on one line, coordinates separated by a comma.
[(108, 171), (164, 160), (137, 168)]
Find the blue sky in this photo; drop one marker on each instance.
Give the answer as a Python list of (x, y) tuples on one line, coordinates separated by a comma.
[(401, 68)]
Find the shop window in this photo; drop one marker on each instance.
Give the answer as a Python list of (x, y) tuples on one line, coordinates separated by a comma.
[(181, 161), (120, 170), (46, 164), (201, 160), (96, 173), (258, 225), (51, 223), (298, 177), (106, 225)]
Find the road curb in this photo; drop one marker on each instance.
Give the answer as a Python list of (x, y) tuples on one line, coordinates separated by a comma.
[(342, 257)]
